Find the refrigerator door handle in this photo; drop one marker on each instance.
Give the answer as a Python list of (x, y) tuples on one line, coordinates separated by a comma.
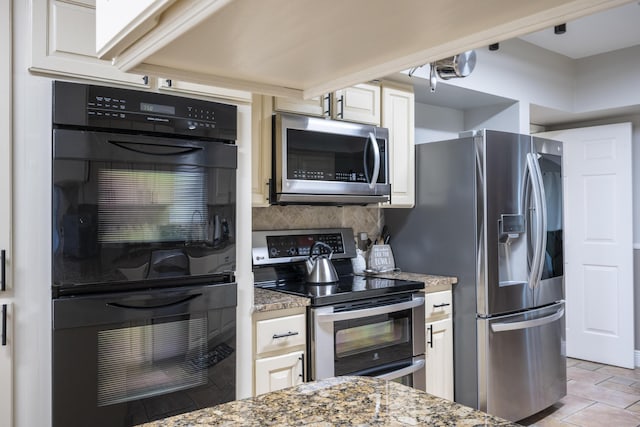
[(525, 324), (540, 236)]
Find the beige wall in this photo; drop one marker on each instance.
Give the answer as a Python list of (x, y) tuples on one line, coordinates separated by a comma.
[(359, 218)]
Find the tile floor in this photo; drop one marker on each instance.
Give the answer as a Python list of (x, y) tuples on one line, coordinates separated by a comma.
[(597, 395)]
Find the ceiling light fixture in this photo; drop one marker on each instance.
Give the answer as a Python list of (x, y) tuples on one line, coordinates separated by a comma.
[(460, 65), (560, 29)]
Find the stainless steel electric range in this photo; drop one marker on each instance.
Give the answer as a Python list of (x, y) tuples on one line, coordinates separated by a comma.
[(357, 325)]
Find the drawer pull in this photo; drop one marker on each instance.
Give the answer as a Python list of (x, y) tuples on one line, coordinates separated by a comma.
[(288, 334), (444, 304)]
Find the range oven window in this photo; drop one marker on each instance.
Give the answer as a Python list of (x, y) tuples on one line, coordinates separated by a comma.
[(138, 208), (372, 341)]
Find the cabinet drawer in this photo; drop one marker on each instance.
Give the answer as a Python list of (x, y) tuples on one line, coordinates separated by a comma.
[(280, 333), (438, 305)]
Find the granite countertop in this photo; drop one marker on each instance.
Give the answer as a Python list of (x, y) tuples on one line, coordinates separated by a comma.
[(267, 300), (336, 401)]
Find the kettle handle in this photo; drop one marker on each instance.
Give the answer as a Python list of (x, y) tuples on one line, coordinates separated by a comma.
[(320, 244)]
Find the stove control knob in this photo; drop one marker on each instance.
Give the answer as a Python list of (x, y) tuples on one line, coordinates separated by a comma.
[(293, 251), (273, 252)]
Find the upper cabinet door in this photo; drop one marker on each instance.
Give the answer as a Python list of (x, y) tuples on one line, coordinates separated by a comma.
[(398, 115), (359, 103), (307, 48), (316, 106), (64, 43)]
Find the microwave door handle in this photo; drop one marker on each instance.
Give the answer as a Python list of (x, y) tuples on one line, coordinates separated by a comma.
[(376, 160), (375, 311)]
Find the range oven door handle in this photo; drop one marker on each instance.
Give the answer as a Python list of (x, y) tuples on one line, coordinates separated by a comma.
[(154, 307), (375, 311), (414, 367)]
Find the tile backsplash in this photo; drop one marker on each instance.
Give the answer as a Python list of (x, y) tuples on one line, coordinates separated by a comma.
[(359, 218)]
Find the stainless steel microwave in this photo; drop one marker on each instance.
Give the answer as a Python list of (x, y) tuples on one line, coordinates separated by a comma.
[(322, 161)]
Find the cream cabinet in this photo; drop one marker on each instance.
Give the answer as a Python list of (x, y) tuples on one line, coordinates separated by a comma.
[(398, 115), (279, 349), (439, 344), (64, 43), (178, 87), (359, 103), (6, 291), (317, 106), (261, 112)]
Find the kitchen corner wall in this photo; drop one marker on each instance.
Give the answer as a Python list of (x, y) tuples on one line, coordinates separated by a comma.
[(359, 218)]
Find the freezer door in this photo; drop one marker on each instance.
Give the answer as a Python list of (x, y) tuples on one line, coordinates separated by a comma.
[(522, 362), (504, 180)]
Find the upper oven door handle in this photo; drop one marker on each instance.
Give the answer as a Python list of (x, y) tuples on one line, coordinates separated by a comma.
[(375, 311), (156, 150)]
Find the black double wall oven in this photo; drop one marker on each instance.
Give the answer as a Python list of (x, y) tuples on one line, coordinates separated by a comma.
[(143, 255)]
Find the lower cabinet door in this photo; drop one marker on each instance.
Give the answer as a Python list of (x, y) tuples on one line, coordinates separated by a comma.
[(278, 372), (439, 358)]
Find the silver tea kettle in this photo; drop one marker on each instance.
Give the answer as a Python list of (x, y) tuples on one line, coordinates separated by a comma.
[(320, 269)]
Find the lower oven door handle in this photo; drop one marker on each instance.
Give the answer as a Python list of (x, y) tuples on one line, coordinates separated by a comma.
[(414, 367), (375, 311)]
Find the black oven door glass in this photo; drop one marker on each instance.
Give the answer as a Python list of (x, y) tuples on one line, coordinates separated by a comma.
[(313, 155), (372, 341), (126, 359), (132, 208)]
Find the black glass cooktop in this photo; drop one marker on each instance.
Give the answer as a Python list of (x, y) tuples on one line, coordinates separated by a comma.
[(349, 288)]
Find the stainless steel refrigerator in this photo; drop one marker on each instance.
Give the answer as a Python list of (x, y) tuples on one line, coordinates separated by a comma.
[(489, 211)]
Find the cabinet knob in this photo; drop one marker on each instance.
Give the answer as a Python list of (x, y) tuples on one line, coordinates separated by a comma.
[(145, 79), (301, 359), (3, 270), (288, 334), (4, 324), (444, 304)]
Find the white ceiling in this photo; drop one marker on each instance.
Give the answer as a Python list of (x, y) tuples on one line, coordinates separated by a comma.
[(612, 29)]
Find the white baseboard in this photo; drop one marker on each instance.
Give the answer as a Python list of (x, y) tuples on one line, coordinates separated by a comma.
[(637, 358)]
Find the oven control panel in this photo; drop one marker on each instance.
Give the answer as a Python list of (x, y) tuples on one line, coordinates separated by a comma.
[(281, 246)]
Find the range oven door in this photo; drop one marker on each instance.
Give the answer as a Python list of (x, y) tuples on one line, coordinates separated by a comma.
[(130, 208), (381, 337), (123, 359), (330, 162)]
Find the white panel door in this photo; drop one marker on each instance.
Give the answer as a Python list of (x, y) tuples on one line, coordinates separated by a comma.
[(598, 243)]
